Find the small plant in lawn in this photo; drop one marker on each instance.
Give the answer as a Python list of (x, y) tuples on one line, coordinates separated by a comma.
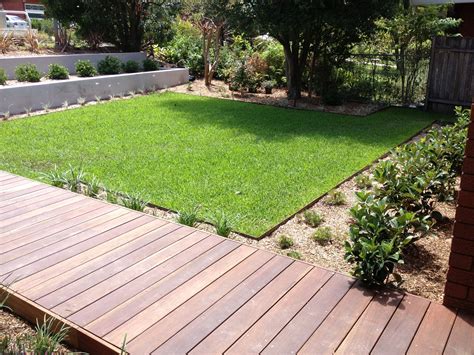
[(6, 115), (131, 93), (109, 66), (312, 218), (27, 72), (81, 101), (285, 242), (134, 201), (3, 77), (150, 65), (58, 72), (93, 187), (84, 69), (294, 254), (46, 106), (98, 99), (28, 111), (55, 177), (363, 181), (111, 196), (130, 66), (322, 235), (222, 223), (336, 198), (188, 217), (74, 177)]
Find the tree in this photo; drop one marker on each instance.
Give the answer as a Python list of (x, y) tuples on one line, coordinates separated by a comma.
[(301, 26), (121, 22)]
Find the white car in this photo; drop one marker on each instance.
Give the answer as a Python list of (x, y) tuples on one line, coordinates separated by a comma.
[(16, 22)]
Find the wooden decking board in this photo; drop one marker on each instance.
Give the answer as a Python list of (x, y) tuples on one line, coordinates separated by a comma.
[(461, 338), (107, 271), (433, 333), (53, 244), (222, 280), (161, 281), (70, 217), (146, 338), (339, 322), (399, 332), (295, 334), (375, 317), (82, 265)]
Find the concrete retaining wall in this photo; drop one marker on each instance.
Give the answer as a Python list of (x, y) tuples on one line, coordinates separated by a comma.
[(42, 61), (16, 99)]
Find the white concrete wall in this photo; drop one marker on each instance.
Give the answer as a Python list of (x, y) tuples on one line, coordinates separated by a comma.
[(42, 61), (16, 99)]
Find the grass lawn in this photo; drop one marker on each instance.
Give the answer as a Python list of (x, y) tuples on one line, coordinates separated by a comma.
[(255, 163)]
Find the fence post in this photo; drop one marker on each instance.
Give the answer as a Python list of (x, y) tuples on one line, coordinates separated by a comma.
[(459, 289)]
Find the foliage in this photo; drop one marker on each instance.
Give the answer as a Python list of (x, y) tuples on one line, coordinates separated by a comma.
[(43, 25), (336, 198), (27, 72), (363, 181), (312, 218), (400, 209), (322, 235), (285, 242), (223, 223), (6, 42), (109, 65), (3, 77), (93, 187), (150, 65), (84, 68), (131, 66), (188, 217), (135, 201), (58, 72), (185, 48), (294, 254), (184, 149)]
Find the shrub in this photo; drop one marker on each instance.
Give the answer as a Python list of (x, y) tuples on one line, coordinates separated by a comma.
[(58, 72), (134, 201), (222, 223), (285, 242), (336, 198), (27, 72), (363, 181), (188, 217), (322, 235), (85, 69), (109, 65), (312, 218), (150, 65), (294, 254), (3, 77), (130, 66)]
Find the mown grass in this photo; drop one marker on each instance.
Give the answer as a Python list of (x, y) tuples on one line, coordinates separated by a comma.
[(257, 164)]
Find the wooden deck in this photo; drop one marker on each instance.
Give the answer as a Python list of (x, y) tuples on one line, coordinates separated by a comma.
[(108, 272)]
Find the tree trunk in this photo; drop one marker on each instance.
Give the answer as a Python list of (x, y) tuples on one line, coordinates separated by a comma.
[(293, 74)]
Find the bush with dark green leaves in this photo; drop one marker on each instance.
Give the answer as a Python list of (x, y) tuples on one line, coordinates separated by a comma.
[(401, 208), (85, 69), (131, 66), (27, 73), (3, 77), (109, 65), (150, 65), (58, 72)]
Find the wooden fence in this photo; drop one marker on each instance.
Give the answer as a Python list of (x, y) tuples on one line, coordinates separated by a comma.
[(451, 75)]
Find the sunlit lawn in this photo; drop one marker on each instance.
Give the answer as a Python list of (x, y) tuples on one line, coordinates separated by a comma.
[(257, 164)]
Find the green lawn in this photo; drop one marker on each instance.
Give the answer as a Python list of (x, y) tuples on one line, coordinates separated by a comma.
[(256, 162)]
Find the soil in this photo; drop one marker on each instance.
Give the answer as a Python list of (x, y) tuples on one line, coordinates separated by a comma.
[(219, 89)]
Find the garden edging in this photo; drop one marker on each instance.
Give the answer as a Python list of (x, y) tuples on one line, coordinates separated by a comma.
[(53, 94)]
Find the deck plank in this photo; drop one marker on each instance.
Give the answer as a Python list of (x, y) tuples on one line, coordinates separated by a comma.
[(461, 339)]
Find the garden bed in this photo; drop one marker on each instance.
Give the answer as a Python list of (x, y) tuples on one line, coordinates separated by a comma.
[(278, 98)]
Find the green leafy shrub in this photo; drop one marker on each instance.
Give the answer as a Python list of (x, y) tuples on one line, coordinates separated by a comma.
[(85, 69), (109, 65), (3, 77), (322, 235), (294, 254), (336, 198), (27, 73), (134, 201), (188, 217), (58, 72), (363, 181), (312, 218), (131, 66), (222, 223), (150, 65), (285, 242)]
